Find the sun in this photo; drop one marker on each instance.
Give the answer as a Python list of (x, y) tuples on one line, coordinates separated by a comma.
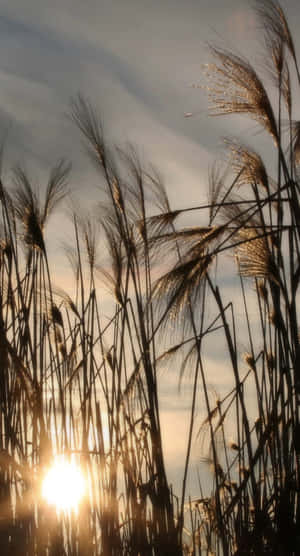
[(63, 485)]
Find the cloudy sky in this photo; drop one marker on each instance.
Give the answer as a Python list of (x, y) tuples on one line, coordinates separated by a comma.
[(136, 60), (140, 64)]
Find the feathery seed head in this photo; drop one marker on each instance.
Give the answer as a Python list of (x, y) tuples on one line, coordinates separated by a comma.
[(56, 315), (275, 23), (249, 359), (254, 256), (271, 361), (238, 90), (248, 165)]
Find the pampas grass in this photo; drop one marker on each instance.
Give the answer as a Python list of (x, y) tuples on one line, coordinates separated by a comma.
[(77, 383)]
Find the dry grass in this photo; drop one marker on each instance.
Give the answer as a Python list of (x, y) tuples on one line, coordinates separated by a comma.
[(72, 382)]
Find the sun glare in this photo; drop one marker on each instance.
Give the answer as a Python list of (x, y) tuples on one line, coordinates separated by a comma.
[(63, 485)]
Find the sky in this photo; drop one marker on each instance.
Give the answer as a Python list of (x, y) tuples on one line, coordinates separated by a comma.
[(140, 63), (136, 60)]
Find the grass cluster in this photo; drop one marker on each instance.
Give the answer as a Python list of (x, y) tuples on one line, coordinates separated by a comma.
[(74, 383)]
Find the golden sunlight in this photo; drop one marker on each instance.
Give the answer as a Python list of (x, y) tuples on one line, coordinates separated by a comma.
[(64, 485)]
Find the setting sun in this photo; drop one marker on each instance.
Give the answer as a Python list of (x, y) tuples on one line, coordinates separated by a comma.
[(63, 485)]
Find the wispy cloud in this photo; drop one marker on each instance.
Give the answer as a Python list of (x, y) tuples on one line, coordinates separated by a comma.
[(134, 60)]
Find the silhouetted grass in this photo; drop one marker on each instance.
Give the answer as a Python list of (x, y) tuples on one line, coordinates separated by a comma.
[(75, 383)]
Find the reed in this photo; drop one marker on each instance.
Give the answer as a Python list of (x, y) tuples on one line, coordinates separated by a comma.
[(74, 382), (253, 507)]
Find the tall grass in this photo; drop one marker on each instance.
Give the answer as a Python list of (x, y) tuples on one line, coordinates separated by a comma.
[(254, 505), (76, 383)]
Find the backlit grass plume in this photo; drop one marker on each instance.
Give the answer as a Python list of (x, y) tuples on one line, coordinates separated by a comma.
[(216, 304)]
